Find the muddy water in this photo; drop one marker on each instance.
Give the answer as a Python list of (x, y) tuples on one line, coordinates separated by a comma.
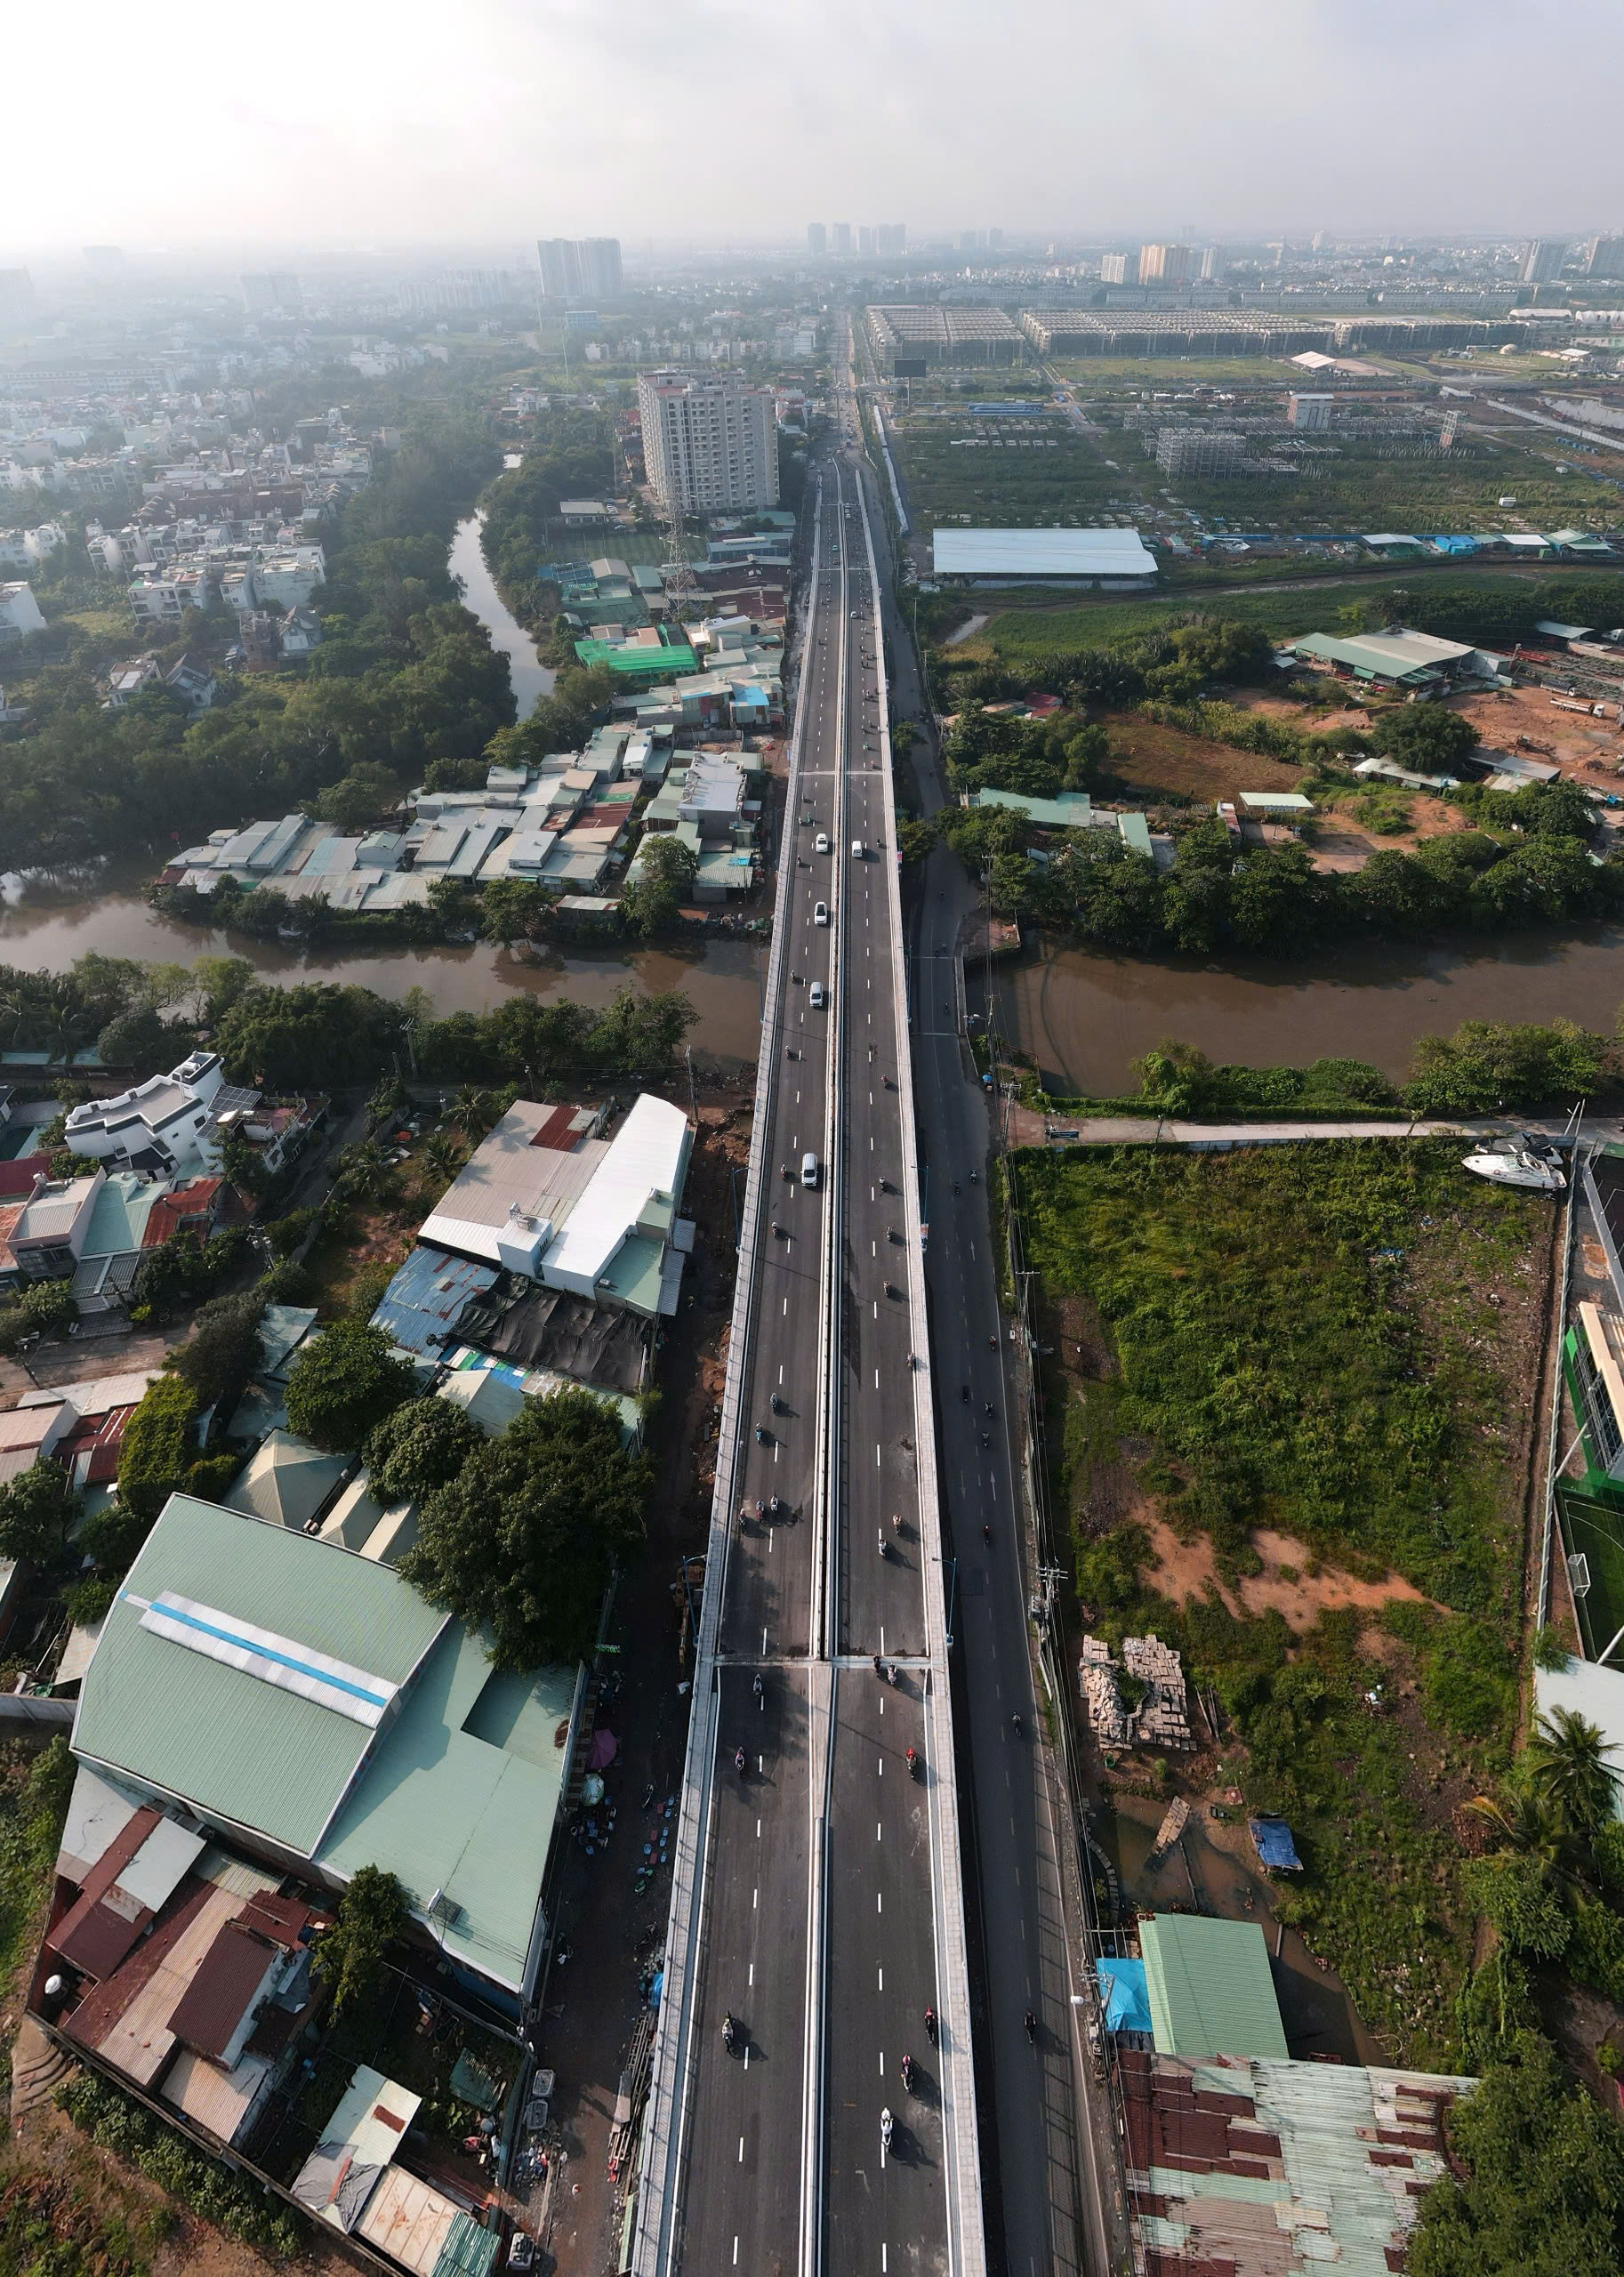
[(1084, 1018), (1198, 1875), (530, 677), (44, 929), (41, 930)]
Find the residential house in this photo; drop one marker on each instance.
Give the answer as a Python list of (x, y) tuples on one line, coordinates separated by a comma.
[(43, 1237), (21, 615)]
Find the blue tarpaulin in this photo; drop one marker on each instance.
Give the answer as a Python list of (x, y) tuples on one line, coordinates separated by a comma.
[(1122, 1995), (1271, 1838)]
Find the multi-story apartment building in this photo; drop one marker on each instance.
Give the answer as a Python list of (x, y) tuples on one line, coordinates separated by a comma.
[(1114, 268), (580, 269), (1165, 264), (1542, 260), (891, 237), (842, 236), (818, 239), (710, 445)]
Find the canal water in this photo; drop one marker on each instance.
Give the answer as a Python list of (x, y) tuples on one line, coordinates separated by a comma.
[(1085, 1017), (43, 929), (531, 678)]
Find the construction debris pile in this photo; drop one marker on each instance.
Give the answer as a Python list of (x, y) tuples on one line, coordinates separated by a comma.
[(1157, 1716)]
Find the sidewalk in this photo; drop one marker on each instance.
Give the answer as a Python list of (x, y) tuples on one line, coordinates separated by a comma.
[(1028, 1128)]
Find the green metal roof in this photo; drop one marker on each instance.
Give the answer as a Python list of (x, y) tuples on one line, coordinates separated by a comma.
[(1211, 1992), (460, 1795), (238, 1748), (638, 660), (1067, 811), (118, 1222), (456, 1789)]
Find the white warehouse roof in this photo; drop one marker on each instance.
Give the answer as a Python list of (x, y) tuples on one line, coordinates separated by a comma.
[(1041, 553)]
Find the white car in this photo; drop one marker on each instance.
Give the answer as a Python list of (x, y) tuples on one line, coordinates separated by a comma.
[(817, 995), (822, 846), (820, 915)]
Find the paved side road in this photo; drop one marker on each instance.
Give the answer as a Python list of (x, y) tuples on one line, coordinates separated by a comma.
[(1031, 1129)]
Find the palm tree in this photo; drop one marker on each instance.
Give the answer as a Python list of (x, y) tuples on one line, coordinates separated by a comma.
[(440, 1157), (473, 1110), (1569, 1768), (1529, 1824)]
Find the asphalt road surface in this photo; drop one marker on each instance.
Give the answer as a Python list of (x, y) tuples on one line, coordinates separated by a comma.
[(828, 1402), (1054, 2179)]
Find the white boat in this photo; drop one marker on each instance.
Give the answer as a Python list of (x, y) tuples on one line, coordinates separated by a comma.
[(1536, 1168)]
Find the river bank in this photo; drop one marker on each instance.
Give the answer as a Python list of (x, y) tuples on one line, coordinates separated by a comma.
[(531, 678), (44, 929), (1084, 1018)]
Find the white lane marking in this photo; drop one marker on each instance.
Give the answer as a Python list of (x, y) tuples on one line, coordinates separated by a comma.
[(880, 1901), (755, 1899), (758, 1829), (735, 2253), (879, 1831), (881, 1976), (876, 1454), (764, 1641), (741, 2150)]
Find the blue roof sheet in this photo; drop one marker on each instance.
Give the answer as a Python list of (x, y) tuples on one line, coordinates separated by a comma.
[(1123, 1995), (424, 1302), (1271, 1840)]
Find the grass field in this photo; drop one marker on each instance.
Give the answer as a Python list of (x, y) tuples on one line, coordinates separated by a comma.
[(1152, 764), (1597, 1535), (1327, 1353), (1013, 633)]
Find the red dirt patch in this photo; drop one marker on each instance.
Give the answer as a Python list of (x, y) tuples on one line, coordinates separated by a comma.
[(1184, 1570)]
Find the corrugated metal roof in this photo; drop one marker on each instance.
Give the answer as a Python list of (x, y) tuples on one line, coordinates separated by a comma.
[(195, 1728), (1041, 553), (1211, 1991), (462, 1795)]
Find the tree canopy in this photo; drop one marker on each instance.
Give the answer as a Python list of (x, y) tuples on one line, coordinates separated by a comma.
[(1544, 2189), (1428, 738), (524, 1539), (651, 898), (344, 1383), (424, 1444), (372, 1916)]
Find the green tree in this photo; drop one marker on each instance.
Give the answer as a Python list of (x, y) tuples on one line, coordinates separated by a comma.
[(1176, 1078), (1425, 738), (1515, 1895), (1569, 1766), (515, 909), (424, 1444), (37, 1509), (1543, 2192), (369, 793), (223, 1348), (525, 1540), (652, 897), (1487, 1065), (344, 1383), (372, 1916), (44, 1308), (159, 1445)]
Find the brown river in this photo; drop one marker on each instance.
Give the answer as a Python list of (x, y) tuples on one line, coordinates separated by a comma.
[(1084, 1018), (42, 930)]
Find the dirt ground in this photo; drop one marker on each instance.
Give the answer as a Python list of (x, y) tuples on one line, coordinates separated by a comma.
[(1588, 750), (1289, 1583), (1150, 763), (177, 2245)]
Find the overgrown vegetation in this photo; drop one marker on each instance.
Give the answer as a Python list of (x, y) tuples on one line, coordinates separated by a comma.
[(1304, 1340), (201, 2184)]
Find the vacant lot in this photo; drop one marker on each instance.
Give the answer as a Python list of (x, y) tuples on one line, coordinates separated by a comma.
[(1018, 634), (1293, 1393), (1154, 765)]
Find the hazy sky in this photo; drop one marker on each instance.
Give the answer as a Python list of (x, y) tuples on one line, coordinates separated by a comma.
[(346, 121)]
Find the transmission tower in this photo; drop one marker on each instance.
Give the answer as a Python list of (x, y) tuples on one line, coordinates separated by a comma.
[(681, 586)]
